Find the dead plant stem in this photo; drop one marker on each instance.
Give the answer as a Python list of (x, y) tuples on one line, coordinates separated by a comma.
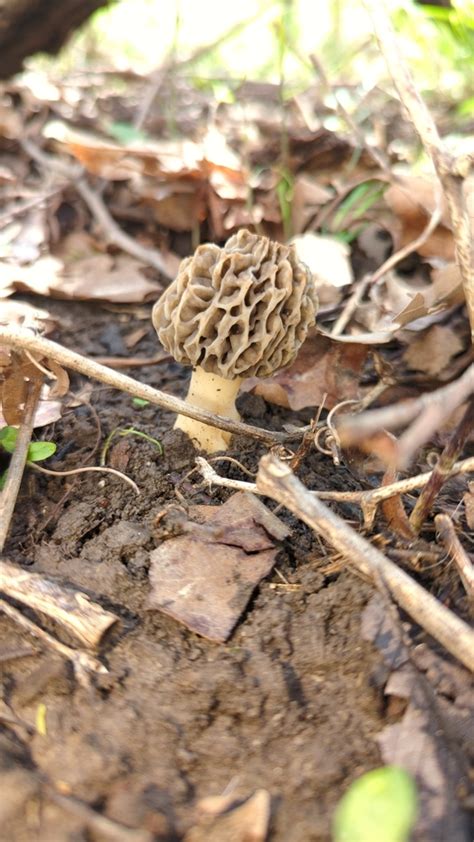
[(452, 172), (17, 464)]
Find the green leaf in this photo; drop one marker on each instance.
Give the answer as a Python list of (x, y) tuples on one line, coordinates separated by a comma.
[(8, 437), (39, 450), (380, 806), (126, 133), (140, 402)]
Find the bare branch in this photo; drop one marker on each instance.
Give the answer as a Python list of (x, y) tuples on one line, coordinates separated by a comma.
[(276, 480), (21, 339)]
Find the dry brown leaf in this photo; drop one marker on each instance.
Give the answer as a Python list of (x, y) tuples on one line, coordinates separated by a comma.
[(247, 822), (413, 200), (328, 259), (60, 386), (204, 579), (178, 205), (14, 387), (166, 159), (324, 368), (100, 277), (106, 278), (308, 198), (13, 313), (432, 350), (445, 291)]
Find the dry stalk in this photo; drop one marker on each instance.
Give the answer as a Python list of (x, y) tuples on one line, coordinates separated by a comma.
[(276, 480), (442, 470), (368, 500), (456, 551), (452, 171), (17, 464), (21, 339)]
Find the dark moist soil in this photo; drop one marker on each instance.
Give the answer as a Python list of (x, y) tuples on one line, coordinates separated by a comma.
[(292, 703)]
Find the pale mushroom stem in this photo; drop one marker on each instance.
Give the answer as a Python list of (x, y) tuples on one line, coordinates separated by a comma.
[(209, 391)]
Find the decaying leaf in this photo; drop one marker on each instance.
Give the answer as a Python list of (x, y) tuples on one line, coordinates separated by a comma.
[(433, 350), (308, 197), (22, 314), (99, 277), (323, 367), (204, 578), (328, 259), (413, 200), (247, 822), (445, 291)]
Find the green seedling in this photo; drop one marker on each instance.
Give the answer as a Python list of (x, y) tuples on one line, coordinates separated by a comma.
[(380, 806), (38, 451), (127, 431), (355, 206), (140, 402)]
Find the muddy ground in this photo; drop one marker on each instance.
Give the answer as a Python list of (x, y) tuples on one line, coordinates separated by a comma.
[(292, 703)]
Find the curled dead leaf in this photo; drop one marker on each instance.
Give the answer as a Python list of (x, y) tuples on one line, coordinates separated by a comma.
[(324, 369), (413, 200)]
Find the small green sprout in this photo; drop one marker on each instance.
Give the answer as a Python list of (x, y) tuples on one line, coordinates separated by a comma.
[(37, 450), (128, 431), (380, 806), (140, 402)]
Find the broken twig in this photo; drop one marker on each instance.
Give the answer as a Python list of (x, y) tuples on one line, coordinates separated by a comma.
[(18, 338), (456, 551)]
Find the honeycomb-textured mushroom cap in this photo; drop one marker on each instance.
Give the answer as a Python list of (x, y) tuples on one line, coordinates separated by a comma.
[(238, 311)]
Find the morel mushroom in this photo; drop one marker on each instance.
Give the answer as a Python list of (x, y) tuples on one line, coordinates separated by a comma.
[(233, 312)]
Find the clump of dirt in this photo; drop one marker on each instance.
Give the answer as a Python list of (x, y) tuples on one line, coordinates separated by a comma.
[(292, 703)]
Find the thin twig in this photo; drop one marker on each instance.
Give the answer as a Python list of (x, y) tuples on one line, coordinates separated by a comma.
[(452, 172), (363, 498), (429, 410), (112, 232), (276, 480), (20, 338), (442, 470), (447, 533), (17, 464)]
